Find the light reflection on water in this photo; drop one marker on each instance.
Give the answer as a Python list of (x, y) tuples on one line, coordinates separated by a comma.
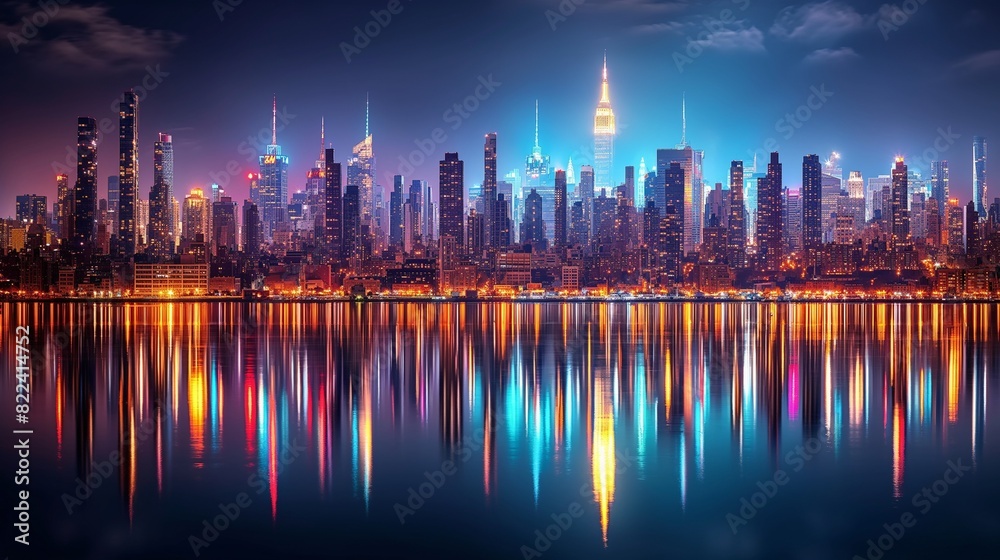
[(691, 403)]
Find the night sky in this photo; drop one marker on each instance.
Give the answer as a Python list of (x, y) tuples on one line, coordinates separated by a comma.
[(896, 81)]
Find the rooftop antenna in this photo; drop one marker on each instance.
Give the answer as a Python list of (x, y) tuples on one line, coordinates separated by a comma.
[(536, 123), (322, 138), (367, 104), (274, 120), (684, 120)]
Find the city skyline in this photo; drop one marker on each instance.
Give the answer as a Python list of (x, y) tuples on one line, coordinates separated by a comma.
[(646, 123)]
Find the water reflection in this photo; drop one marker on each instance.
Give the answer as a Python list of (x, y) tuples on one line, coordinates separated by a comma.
[(549, 387)]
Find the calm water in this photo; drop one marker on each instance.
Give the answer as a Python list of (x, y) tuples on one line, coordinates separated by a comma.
[(641, 428)]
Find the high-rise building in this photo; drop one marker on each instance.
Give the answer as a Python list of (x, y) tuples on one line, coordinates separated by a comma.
[(196, 216), (533, 226), (489, 184), (856, 185), (451, 197), (769, 216), (352, 221), (812, 208), (979, 182), (972, 248), (792, 221), (64, 208), (900, 204), (832, 188), (673, 223), (114, 200), (604, 136), (875, 207), (333, 196), (251, 230), (628, 192), (224, 226), (161, 227), (396, 212), (580, 228), (128, 172), (694, 192), (561, 210), (31, 208), (85, 192), (272, 187), (955, 231), (501, 223), (537, 166), (737, 235), (940, 185)]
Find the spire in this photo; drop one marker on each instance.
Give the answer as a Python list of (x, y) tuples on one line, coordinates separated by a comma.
[(322, 139), (536, 125), (274, 121), (684, 120), (367, 106), (605, 89)]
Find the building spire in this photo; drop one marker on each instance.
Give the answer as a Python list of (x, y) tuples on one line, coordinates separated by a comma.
[(322, 139), (274, 120), (536, 125), (605, 89), (684, 120), (367, 106)]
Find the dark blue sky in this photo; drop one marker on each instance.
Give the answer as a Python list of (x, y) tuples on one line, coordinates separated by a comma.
[(896, 80)]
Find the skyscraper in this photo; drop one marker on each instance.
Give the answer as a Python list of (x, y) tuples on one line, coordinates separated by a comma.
[(673, 221), (396, 212), (770, 216), (224, 226), (629, 186), (352, 221), (940, 185), (604, 135), (692, 203), (334, 208), (533, 226), (128, 172), (272, 188), (537, 167), (251, 230), (737, 239), (489, 185), (31, 208), (812, 208), (561, 210), (451, 195), (856, 185), (196, 216), (972, 248), (114, 200), (900, 204), (64, 208), (85, 192), (979, 182), (161, 220)]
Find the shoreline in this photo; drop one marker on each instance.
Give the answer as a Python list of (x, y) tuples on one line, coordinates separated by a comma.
[(485, 300)]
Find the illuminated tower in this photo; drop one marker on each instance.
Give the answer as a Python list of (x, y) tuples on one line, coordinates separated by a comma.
[(940, 186), (489, 186), (537, 167), (451, 195), (979, 175), (128, 172), (737, 239), (64, 208), (769, 216), (272, 189), (604, 136), (900, 214), (334, 203), (161, 227), (812, 207), (361, 172), (561, 210), (85, 192)]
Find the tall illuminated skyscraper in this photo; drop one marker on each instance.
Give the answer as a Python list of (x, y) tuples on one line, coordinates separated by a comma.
[(940, 186), (770, 214), (161, 226), (489, 186), (900, 200), (560, 210), (451, 195), (361, 172), (272, 188), (128, 172), (197, 216), (85, 192), (979, 182), (737, 237), (812, 208), (333, 196), (64, 208), (537, 167), (604, 136)]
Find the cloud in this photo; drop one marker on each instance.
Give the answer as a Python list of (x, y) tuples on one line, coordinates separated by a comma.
[(982, 62), (818, 22), (823, 56), (749, 40), (657, 28), (90, 39)]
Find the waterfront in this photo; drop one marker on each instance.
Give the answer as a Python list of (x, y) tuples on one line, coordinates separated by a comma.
[(653, 421)]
